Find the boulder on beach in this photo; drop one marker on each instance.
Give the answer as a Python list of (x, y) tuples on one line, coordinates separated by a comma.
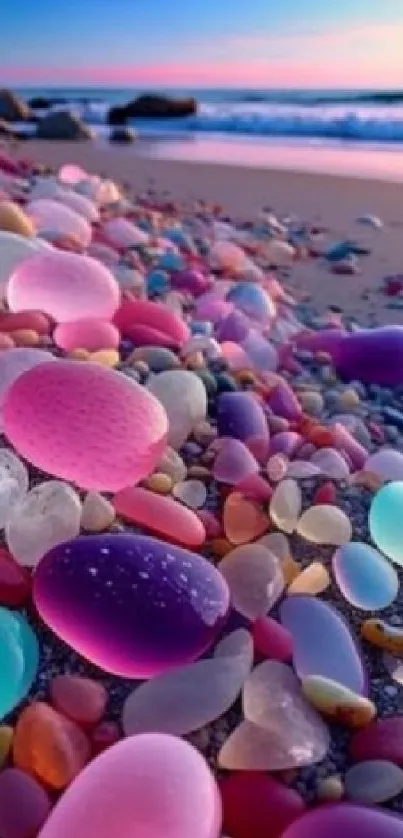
[(122, 135), (152, 106), (63, 125), (12, 108)]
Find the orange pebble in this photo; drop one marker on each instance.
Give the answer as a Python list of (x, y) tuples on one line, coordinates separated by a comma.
[(48, 746), (25, 337), (6, 342)]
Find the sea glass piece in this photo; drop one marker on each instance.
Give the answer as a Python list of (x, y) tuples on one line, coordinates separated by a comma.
[(365, 578), (234, 462), (122, 600), (184, 398), (243, 519), (331, 463), (48, 515), (192, 493), (14, 482), (154, 316), (254, 578), (382, 739), (19, 657), (325, 524), (82, 700), (24, 804), (314, 579), (86, 333), (385, 520), (14, 363), (285, 505), (240, 415), (157, 786), (192, 696), (67, 286), (162, 515), (86, 424), (256, 805), (338, 703), (47, 214), (347, 819), (373, 781), (277, 543), (317, 628), (281, 730), (386, 463), (271, 639)]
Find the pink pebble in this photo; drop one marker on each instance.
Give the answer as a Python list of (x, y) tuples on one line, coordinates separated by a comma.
[(81, 700), (85, 423), (160, 514), (71, 174), (67, 286), (146, 786), (86, 334), (24, 805), (272, 640), (52, 216), (35, 320), (154, 316), (142, 335)]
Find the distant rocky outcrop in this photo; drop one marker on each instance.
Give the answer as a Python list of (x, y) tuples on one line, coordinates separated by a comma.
[(152, 106), (63, 125), (122, 135), (12, 108)]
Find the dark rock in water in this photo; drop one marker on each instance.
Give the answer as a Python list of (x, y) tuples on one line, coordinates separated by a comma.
[(63, 125), (12, 108), (122, 135), (152, 106), (39, 103)]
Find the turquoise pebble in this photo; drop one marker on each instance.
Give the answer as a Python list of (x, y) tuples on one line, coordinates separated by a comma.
[(19, 658), (386, 521)]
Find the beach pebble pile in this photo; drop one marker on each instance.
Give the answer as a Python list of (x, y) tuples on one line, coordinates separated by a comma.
[(201, 497)]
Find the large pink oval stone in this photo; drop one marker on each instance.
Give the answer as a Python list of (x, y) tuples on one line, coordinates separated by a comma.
[(86, 333), (85, 423), (67, 286), (160, 514), (153, 315), (146, 786)]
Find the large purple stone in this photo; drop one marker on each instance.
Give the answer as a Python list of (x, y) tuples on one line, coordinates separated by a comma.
[(374, 356), (132, 605), (347, 820), (239, 415)]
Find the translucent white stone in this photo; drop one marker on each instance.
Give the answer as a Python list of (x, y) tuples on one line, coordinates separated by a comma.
[(254, 577), (325, 524), (14, 483), (48, 515), (302, 470), (183, 395), (331, 463), (277, 543), (192, 493), (386, 463), (173, 465), (373, 781), (285, 505), (97, 513)]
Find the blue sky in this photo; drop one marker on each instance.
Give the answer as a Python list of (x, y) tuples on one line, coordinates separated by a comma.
[(287, 42)]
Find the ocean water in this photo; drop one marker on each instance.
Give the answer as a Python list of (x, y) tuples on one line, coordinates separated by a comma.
[(346, 117)]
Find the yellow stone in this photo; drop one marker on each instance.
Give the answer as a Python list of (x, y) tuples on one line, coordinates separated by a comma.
[(290, 568), (337, 702), (6, 740), (314, 579), (159, 482), (105, 357), (349, 398), (14, 220), (79, 354), (330, 789), (384, 636), (97, 513), (26, 337)]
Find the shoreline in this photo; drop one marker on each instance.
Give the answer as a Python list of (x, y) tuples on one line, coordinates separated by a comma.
[(324, 199)]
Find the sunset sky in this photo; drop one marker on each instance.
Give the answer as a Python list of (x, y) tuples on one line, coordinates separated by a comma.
[(202, 43)]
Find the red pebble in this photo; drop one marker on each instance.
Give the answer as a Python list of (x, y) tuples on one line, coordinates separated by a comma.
[(105, 735), (325, 494), (211, 524), (382, 739), (15, 581), (35, 320), (272, 640), (80, 699), (256, 805)]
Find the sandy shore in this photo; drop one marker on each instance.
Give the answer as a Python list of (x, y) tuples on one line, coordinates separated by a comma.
[(333, 201)]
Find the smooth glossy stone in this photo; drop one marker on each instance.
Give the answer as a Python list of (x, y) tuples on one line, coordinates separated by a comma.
[(66, 286), (272, 640), (281, 730), (157, 786), (311, 402), (19, 658), (325, 524), (347, 442), (26, 337), (122, 600), (284, 402), (394, 667), (15, 582), (97, 513), (317, 628), (383, 635), (80, 204), (89, 425), (285, 505), (243, 519), (13, 250), (190, 697), (234, 462), (331, 463), (160, 483), (386, 463), (285, 442), (382, 739), (302, 470), (158, 358), (49, 746), (172, 465), (385, 521), (254, 578), (374, 781), (154, 316), (277, 543), (6, 741), (14, 363), (24, 805), (331, 789), (348, 820), (86, 333), (326, 494), (62, 220), (256, 805), (162, 515), (106, 357), (228, 256), (120, 232), (184, 399), (364, 577), (341, 705), (240, 415), (253, 300), (192, 493), (48, 515), (313, 580), (276, 467), (80, 699), (14, 482), (14, 220), (104, 736)]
